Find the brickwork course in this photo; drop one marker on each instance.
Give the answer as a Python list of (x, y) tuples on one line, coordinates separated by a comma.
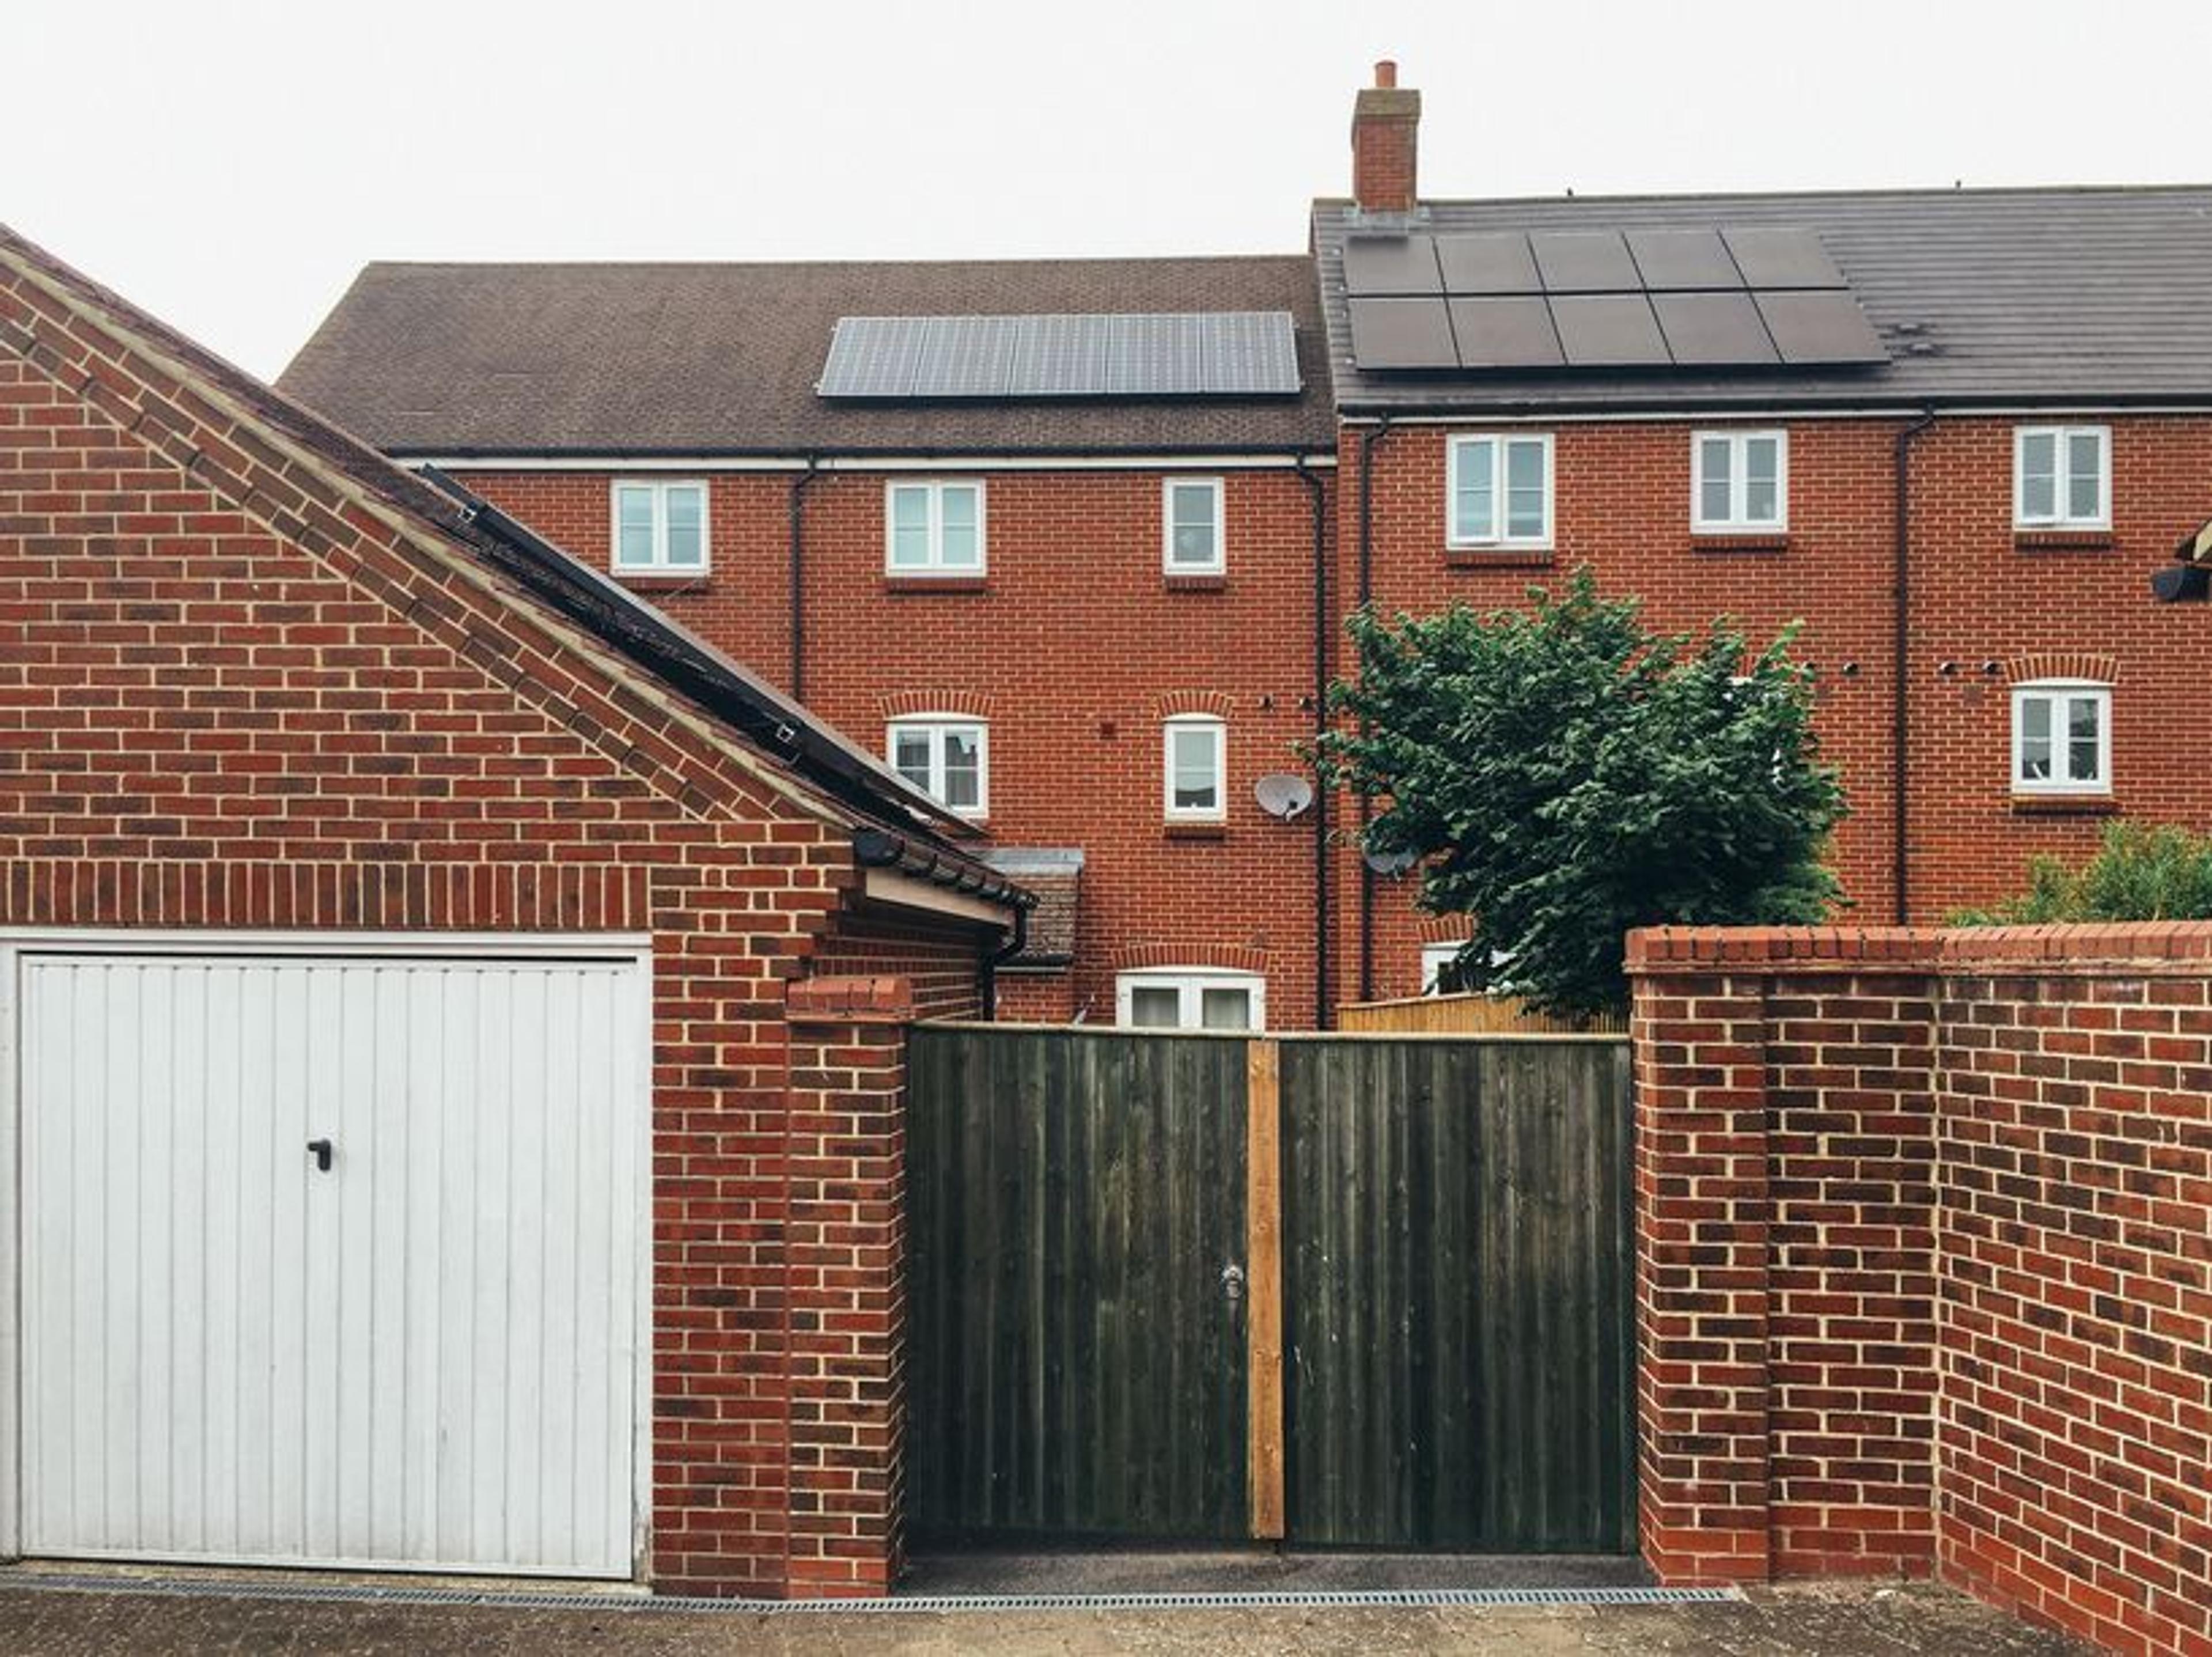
[(1925, 1264)]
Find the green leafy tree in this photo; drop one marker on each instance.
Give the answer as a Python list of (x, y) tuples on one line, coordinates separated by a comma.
[(1562, 775), (2141, 873)]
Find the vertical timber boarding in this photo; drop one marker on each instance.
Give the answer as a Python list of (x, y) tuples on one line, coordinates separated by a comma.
[(1459, 1295), (1076, 1364), (1435, 1347)]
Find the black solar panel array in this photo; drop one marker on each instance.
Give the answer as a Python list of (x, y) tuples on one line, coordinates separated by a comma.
[(1745, 297), (1194, 354)]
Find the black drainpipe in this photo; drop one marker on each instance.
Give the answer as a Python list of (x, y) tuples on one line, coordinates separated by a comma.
[(797, 514), (1370, 441), (1317, 498), (1017, 941), (1900, 594)]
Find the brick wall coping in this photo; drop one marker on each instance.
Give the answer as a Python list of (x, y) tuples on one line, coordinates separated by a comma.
[(854, 1000), (1659, 951)]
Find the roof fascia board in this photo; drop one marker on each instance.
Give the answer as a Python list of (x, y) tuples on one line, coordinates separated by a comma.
[(1740, 411), (1219, 460)]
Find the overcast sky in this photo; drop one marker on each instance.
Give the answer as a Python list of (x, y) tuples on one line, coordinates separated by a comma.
[(230, 165)]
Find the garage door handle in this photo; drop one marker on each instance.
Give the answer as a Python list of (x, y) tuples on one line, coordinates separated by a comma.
[(321, 1149)]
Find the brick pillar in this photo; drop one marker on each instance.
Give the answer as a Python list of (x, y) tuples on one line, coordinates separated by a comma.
[(1701, 1270), (847, 1149)]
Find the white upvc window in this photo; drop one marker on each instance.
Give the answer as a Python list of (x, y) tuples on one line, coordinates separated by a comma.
[(2062, 737), (1499, 490), (2062, 477), (947, 758), (1195, 766), (1437, 959), (1739, 482), (659, 527), (1191, 998), (1191, 534), (933, 527)]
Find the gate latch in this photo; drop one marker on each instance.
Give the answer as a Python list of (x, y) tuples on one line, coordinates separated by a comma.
[(1232, 1282), (320, 1149)]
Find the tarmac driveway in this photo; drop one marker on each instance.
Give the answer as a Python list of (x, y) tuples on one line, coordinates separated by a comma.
[(1823, 1622)]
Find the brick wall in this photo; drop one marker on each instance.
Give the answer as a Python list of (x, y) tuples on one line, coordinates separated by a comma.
[(1925, 1263), (937, 963), (239, 690), (1981, 596), (1076, 643), (1074, 648)]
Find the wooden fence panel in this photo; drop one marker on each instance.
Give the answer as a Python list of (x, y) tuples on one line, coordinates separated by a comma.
[(1076, 1366), (1458, 1299)]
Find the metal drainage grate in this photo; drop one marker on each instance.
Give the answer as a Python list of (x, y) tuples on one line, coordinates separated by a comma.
[(524, 1599)]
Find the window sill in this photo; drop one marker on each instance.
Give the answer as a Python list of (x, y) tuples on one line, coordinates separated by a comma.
[(662, 580), (1195, 830), (1498, 558), (1214, 583), (2065, 805), (936, 583), (2062, 541), (1719, 540)]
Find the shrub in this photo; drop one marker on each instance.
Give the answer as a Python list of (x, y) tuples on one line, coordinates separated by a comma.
[(2142, 872)]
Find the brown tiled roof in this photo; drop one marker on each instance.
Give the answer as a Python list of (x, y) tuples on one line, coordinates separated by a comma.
[(1054, 878), (722, 359)]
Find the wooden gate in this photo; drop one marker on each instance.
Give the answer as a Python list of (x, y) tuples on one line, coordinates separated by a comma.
[(1339, 1290), (1075, 1363)]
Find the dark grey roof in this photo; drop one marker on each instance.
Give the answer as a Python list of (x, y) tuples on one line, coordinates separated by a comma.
[(722, 359), (2015, 296)]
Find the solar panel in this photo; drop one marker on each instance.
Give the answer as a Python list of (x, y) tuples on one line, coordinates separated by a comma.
[(1775, 256), (1390, 264), (1182, 354), (1608, 331), (1747, 297), (1584, 262), (1713, 330), (1401, 333), (1677, 260), (1820, 327), (1508, 332), (1493, 264)]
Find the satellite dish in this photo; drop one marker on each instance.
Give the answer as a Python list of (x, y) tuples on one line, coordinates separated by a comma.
[(1391, 863), (1282, 794)]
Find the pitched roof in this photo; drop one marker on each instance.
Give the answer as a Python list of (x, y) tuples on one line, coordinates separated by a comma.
[(722, 359), (297, 454), (2057, 297)]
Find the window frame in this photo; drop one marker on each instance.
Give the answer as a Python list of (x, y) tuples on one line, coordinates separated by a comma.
[(658, 489), (2061, 693), (935, 566), (1462, 443), (1739, 522), (1218, 812), (936, 726), (2062, 518), (1217, 564), (1435, 957), (1190, 983)]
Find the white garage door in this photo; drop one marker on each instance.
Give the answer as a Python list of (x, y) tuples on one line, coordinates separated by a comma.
[(424, 1355)]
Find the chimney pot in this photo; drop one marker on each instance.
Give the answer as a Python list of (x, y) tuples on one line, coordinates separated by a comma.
[(1386, 74)]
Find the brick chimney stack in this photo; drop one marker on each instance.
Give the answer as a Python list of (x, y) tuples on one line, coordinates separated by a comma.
[(1385, 127)]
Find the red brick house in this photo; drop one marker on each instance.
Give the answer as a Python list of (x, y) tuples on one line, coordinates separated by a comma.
[(451, 1057), (1954, 432)]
